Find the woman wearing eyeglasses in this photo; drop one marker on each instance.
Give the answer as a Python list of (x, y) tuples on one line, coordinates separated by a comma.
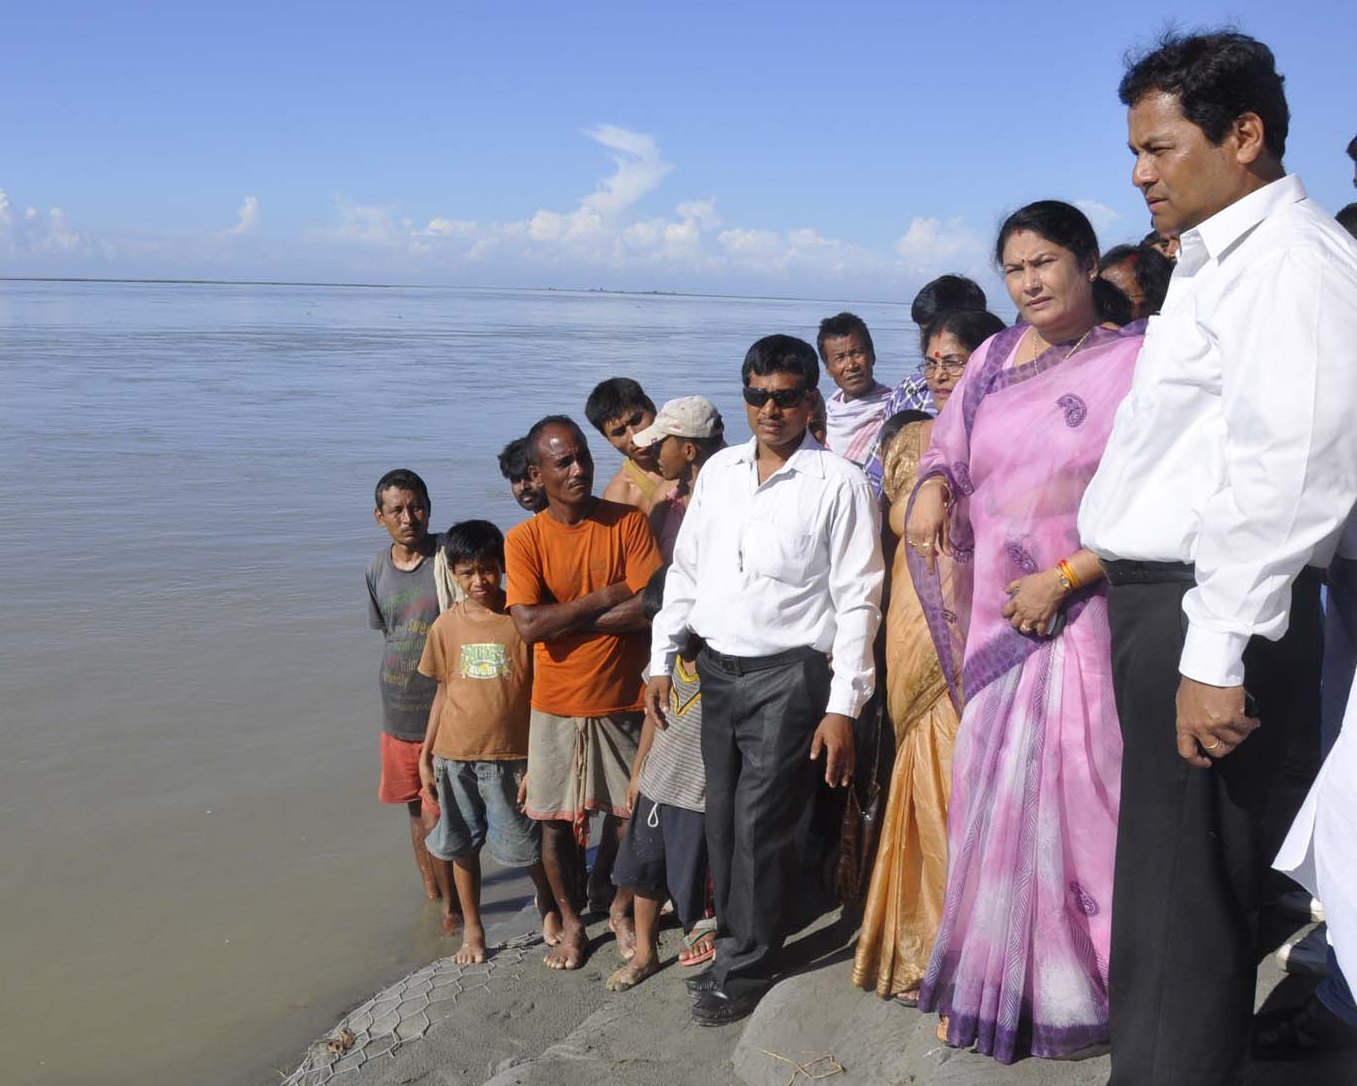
[(904, 900), (1020, 620)]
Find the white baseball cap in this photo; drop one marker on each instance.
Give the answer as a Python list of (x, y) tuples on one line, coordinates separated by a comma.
[(688, 416)]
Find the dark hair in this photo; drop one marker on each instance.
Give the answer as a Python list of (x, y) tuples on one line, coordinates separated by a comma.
[(402, 479), (513, 460), (707, 446), (473, 541), (844, 324), (782, 354), (613, 398), (895, 424), (1347, 219), (972, 327), (534, 436), (1152, 271), (652, 596), (945, 294), (1216, 77), (1352, 149), (1058, 222)]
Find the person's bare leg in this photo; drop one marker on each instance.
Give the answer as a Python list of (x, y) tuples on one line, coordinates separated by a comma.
[(561, 859), (619, 913), (646, 958), (447, 890), (600, 889), (466, 871), (545, 901), (421, 822)]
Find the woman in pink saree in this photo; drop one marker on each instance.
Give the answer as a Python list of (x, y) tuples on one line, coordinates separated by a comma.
[(1020, 961)]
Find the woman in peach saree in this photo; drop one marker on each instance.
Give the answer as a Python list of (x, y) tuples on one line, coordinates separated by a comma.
[(904, 900)]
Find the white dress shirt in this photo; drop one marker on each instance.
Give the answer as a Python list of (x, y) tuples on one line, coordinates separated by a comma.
[(794, 563), (1236, 448)]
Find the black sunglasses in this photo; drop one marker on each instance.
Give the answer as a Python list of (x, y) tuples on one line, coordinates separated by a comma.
[(783, 397)]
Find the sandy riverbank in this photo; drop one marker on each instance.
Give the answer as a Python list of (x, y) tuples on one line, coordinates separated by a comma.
[(513, 1023)]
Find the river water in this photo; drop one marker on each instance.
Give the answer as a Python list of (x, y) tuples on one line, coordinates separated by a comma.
[(196, 878)]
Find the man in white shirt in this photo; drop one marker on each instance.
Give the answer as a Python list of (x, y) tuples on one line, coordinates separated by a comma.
[(778, 569), (1231, 467)]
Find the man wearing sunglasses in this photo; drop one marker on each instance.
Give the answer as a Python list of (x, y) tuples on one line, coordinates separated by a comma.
[(778, 568)]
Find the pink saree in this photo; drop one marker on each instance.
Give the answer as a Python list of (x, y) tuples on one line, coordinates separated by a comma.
[(1020, 961)]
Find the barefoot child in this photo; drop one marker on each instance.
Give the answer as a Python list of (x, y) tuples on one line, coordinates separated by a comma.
[(403, 603), (475, 751), (620, 409), (664, 853)]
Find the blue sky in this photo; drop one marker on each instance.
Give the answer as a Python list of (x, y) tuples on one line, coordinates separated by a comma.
[(833, 150)]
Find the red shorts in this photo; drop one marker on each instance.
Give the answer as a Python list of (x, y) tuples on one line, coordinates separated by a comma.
[(400, 772)]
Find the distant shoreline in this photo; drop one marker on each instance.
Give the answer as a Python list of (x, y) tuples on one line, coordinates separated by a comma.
[(427, 286)]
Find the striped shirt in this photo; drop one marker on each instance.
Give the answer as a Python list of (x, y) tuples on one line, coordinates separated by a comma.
[(673, 773)]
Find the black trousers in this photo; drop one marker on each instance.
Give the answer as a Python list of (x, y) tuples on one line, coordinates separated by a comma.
[(756, 735), (1191, 860)]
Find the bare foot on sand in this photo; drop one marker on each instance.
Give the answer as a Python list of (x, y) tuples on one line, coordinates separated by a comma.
[(621, 926), (450, 923), (569, 951), (631, 974), (551, 928), (472, 951), (941, 1031)]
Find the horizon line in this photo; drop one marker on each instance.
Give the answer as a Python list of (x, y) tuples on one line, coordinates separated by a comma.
[(168, 281)]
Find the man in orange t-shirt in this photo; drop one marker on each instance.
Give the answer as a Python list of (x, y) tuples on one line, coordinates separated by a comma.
[(576, 572)]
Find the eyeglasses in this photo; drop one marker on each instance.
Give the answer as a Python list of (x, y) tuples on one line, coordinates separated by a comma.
[(950, 366), (783, 397)]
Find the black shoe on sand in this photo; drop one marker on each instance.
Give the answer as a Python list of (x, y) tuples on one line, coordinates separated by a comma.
[(701, 984), (1297, 1033), (716, 1008)]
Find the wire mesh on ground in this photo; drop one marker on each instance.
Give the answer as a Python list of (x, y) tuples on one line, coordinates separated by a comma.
[(403, 1013)]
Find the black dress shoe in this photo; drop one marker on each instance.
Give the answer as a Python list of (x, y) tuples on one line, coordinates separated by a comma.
[(705, 981), (1297, 1033), (716, 1008)]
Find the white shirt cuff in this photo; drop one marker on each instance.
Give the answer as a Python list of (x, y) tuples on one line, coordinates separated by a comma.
[(844, 700), (662, 663), (1213, 657)]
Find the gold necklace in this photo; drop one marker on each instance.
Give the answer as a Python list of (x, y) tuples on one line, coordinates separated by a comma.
[(1078, 343)]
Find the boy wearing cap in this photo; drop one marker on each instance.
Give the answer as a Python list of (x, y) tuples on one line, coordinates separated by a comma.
[(683, 436), (665, 850)]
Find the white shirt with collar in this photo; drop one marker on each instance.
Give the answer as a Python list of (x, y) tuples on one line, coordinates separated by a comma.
[(1236, 448), (793, 563)]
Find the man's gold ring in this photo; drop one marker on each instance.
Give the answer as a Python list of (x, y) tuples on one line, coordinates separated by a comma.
[(1025, 629), (1211, 746)]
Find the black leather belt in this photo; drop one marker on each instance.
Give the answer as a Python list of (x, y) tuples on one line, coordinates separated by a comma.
[(740, 665), (1121, 572)]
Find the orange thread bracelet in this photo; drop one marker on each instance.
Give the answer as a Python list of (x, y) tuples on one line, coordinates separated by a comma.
[(1069, 574)]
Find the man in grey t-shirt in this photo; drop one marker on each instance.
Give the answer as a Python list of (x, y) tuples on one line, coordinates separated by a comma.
[(403, 603)]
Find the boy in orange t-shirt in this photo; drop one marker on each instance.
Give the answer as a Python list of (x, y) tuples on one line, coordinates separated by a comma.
[(474, 759)]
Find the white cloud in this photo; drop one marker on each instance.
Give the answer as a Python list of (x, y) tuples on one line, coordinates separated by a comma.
[(247, 218), (1099, 214), (639, 170), (36, 233), (618, 233), (932, 245)]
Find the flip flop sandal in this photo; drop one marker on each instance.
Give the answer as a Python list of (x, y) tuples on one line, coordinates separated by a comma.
[(689, 956)]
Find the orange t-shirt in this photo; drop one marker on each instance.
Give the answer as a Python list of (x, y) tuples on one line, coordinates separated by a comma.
[(486, 672), (585, 674)]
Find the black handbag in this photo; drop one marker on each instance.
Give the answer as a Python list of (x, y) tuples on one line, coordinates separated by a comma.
[(860, 830)]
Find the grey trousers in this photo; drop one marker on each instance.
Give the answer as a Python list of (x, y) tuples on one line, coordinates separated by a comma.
[(756, 734)]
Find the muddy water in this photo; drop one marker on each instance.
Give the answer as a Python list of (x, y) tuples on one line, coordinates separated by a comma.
[(195, 875)]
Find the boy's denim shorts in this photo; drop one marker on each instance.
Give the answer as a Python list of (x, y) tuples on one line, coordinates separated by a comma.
[(477, 801)]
